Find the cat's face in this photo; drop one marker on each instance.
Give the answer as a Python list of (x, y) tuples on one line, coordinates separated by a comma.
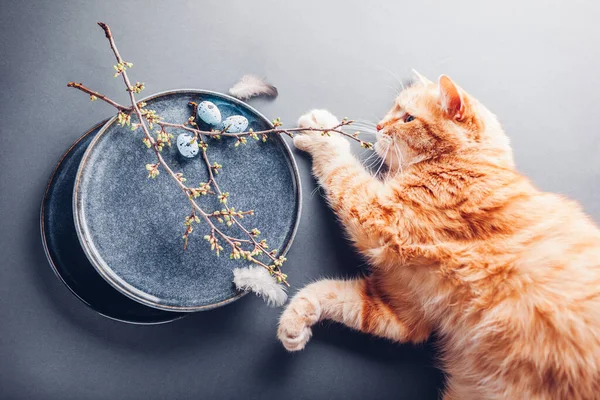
[(429, 119)]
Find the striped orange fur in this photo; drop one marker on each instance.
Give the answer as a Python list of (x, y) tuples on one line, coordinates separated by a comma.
[(459, 243)]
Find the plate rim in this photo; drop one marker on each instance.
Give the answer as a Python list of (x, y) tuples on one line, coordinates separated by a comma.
[(43, 234), (93, 257)]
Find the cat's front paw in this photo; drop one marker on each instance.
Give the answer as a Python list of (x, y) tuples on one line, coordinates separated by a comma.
[(312, 138), (295, 324)]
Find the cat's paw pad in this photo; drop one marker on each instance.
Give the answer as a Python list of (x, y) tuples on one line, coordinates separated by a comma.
[(294, 334), (295, 324)]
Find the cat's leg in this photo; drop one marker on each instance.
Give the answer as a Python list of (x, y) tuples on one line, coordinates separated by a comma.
[(355, 303), (334, 165), (351, 190)]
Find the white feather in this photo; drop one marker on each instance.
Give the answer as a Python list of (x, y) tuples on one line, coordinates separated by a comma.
[(258, 280), (252, 86)]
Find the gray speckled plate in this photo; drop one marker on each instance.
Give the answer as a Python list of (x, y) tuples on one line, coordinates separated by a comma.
[(130, 227)]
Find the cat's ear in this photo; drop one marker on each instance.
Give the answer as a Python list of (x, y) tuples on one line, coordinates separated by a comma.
[(450, 98), (421, 78)]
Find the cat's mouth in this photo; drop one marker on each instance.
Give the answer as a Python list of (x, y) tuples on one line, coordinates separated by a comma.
[(389, 151), (383, 144)]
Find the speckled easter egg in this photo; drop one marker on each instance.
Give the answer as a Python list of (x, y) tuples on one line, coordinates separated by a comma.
[(187, 146), (209, 113), (235, 124)]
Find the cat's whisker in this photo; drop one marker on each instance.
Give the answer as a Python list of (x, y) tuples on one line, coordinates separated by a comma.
[(397, 152), (362, 125), (389, 171), (373, 163), (365, 121), (373, 167), (387, 174), (360, 129), (368, 125), (375, 160), (370, 134), (373, 154), (317, 189), (392, 74), (400, 159), (395, 90), (363, 130), (376, 118), (383, 160)]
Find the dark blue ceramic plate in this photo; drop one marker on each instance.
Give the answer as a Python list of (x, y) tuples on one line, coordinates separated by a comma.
[(64, 252), (131, 227)]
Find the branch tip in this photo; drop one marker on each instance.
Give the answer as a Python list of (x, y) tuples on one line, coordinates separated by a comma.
[(106, 29)]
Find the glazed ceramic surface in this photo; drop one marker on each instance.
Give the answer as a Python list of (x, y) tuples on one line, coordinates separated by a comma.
[(64, 252), (131, 227)]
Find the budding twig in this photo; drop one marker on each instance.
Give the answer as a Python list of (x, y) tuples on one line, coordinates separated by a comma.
[(161, 160), (147, 118), (228, 215), (287, 131), (95, 95), (217, 133)]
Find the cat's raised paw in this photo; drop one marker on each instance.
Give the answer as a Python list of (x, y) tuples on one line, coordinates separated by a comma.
[(320, 119), (315, 121)]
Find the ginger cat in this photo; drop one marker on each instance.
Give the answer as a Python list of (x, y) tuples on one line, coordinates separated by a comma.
[(461, 244)]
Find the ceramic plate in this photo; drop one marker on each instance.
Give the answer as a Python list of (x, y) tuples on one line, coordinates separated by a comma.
[(131, 227), (64, 252)]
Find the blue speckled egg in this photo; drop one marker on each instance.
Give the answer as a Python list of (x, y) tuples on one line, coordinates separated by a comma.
[(209, 113), (186, 147), (235, 124)]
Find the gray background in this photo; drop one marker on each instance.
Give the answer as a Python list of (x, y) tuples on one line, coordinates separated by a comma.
[(534, 63)]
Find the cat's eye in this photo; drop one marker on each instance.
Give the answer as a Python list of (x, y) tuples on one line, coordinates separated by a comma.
[(408, 118)]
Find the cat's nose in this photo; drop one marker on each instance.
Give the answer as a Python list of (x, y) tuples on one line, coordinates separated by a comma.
[(379, 127)]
